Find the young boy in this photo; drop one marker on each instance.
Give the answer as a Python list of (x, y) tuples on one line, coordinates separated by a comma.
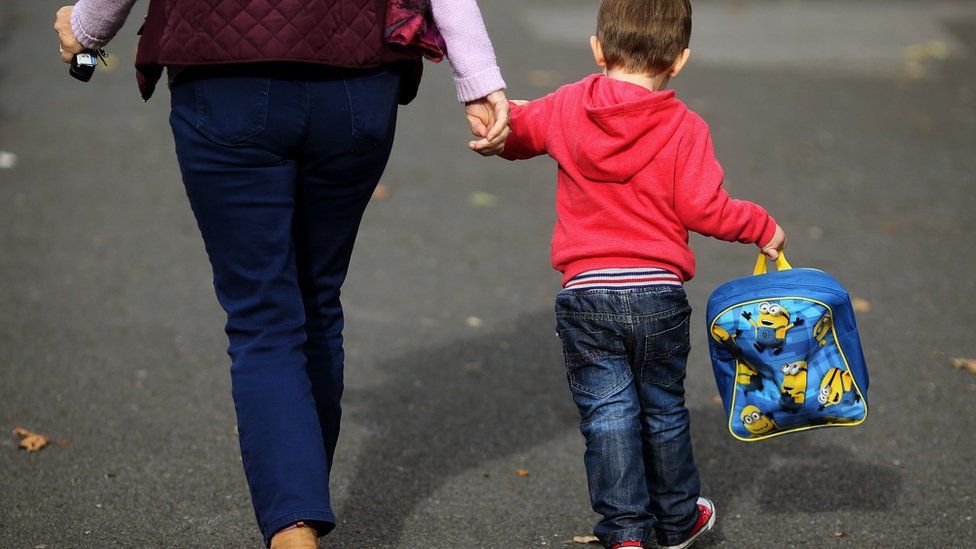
[(636, 173)]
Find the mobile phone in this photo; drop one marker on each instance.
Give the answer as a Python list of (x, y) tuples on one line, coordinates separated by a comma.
[(83, 64)]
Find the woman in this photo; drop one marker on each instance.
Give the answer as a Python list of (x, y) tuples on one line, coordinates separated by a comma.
[(283, 114)]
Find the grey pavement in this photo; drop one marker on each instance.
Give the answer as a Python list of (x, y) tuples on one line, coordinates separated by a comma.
[(853, 122)]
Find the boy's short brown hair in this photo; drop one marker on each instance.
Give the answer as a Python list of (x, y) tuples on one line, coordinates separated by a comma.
[(643, 35)]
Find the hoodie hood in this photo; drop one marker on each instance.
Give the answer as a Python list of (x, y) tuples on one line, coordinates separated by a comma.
[(624, 127)]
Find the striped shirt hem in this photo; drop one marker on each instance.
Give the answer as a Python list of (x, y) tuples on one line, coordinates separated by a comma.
[(623, 278)]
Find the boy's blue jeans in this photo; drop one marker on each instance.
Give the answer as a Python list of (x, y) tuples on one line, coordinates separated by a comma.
[(279, 164), (626, 353)]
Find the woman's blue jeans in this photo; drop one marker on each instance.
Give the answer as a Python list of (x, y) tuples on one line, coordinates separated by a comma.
[(279, 163), (626, 352)]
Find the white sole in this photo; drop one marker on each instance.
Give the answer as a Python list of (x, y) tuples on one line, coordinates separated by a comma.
[(692, 539)]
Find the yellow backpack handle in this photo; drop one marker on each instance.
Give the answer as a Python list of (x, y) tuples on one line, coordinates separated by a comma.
[(781, 264)]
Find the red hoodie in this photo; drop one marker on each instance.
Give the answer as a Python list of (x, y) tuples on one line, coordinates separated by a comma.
[(636, 173)]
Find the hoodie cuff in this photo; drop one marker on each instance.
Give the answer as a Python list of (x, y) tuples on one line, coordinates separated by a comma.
[(479, 85), (81, 35), (768, 231)]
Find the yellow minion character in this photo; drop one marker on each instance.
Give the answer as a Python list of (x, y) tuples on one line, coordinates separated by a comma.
[(834, 385), (723, 336), (793, 391), (772, 326), (756, 422), (747, 377), (822, 328)]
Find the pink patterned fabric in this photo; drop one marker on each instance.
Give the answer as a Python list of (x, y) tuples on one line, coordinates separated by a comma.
[(410, 25)]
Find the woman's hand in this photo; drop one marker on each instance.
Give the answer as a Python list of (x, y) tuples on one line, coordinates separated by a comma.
[(69, 44), (488, 117)]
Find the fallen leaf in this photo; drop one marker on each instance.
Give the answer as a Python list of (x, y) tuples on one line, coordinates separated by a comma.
[(483, 199), (522, 472), (892, 228), (33, 442), (933, 49), (381, 192), (964, 364), (586, 539), (474, 322), (839, 534), (861, 305)]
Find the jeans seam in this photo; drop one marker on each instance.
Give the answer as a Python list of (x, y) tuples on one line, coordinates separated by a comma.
[(616, 388)]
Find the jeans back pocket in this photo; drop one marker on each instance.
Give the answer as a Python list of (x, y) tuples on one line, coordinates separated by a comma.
[(373, 96), (596, 361), (666, 345), (231, 109)]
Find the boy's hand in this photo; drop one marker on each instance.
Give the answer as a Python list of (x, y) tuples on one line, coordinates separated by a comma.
[(488, 118), (776, 244)]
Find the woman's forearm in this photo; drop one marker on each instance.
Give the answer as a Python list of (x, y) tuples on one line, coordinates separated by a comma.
[(469, 50), (95, 22)]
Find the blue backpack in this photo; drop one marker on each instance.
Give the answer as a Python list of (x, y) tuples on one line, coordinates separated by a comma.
[(786, 353)]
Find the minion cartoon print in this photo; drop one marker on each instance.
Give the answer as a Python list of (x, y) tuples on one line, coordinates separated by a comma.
[(822, 328), (772, 325), (757, 422), (747, 377), (793, 391), (834, 385)]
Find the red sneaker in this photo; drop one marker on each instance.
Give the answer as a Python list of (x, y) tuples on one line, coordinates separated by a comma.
[(706, 519), (627, 544)]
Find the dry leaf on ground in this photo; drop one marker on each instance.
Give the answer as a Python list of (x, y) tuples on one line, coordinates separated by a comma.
[(483, 199), (381, 192), (522, 472), (585, 539), (861, 305), (33, 442), (964, 364)]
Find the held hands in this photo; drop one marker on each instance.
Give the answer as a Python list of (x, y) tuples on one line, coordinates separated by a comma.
[(776, 244), (488, 118), (69, 44)]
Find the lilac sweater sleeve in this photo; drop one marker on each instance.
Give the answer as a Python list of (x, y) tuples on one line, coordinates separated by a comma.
[(95, 22), (476, 74)]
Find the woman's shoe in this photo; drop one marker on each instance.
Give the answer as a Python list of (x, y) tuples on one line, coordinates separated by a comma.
[(296, 536)]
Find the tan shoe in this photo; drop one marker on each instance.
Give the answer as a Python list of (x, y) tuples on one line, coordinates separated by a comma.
[(303, 537)]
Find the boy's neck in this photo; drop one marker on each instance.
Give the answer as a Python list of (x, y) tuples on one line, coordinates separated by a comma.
[(655, 83)]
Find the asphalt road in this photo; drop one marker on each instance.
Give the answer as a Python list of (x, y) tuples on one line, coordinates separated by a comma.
[(853, 122)]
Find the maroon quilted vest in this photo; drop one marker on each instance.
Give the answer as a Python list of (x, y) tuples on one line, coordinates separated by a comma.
[(342, 33)]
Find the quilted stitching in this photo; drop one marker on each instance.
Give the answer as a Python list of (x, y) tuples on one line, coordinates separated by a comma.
[(338, 32)]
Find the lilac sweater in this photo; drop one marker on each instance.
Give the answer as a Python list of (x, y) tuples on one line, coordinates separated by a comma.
[(476, 73)]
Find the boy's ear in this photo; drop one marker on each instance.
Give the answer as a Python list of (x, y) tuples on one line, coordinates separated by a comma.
[(679, 63), (598, 52)]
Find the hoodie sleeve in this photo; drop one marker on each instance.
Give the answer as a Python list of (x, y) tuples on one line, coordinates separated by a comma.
[(530, 129), (705, 207)]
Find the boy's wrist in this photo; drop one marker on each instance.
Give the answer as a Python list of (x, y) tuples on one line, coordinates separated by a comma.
[(768, 233)]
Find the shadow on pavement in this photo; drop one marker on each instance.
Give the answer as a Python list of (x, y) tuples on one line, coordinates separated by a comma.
[(448, 409), (452, 408)]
